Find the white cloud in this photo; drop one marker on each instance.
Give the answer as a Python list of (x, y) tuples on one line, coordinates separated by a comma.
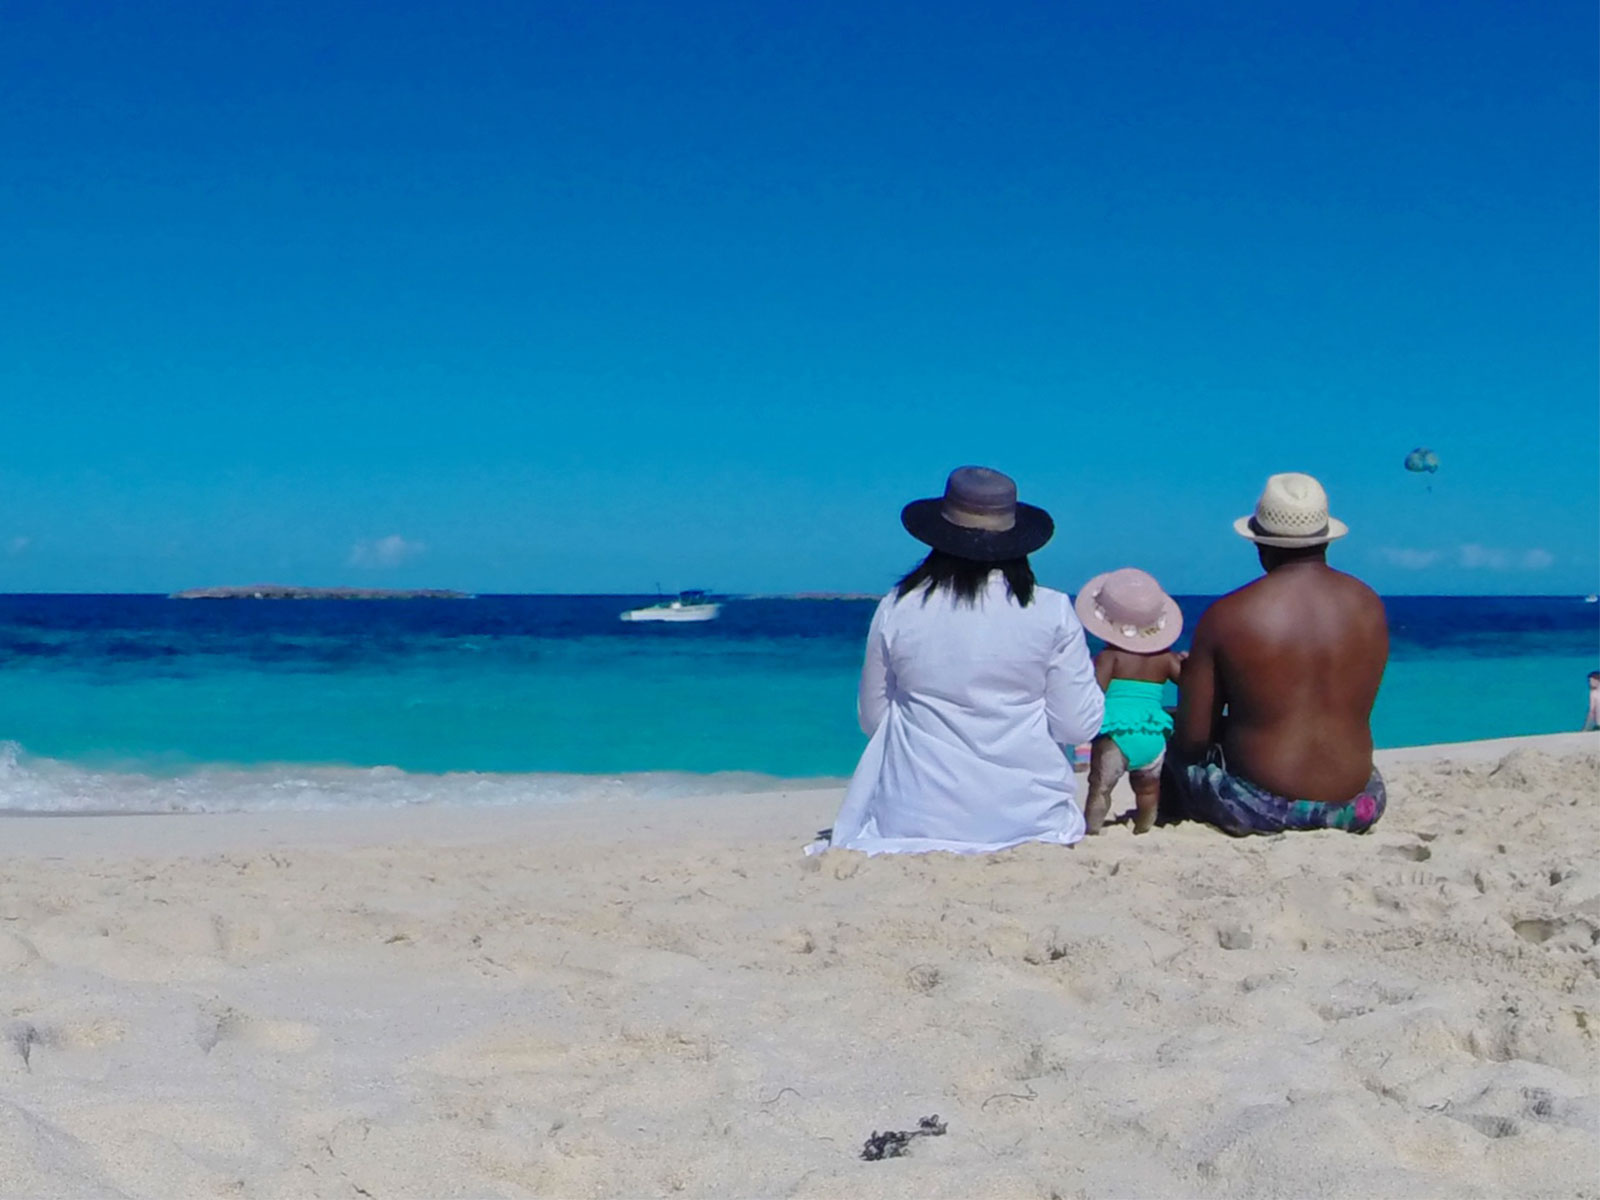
[(1491, 558), (384, 552), (18, 545), (1410, 559), (1484, 558)]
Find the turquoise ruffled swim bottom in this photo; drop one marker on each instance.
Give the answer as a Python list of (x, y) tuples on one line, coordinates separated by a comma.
[(1137, 722)]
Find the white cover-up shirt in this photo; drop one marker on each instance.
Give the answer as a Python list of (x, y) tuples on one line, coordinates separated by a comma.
[(968, 708)]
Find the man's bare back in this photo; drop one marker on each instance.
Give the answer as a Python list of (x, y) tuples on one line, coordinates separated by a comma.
[(1295, 659)]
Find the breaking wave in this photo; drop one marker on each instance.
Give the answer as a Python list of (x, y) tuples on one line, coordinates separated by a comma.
[(34, 785)]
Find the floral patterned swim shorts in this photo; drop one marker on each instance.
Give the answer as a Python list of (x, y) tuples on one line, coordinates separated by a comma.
[(1205, 791)]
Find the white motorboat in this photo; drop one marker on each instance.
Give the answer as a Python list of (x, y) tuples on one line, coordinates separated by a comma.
[(685, 606)]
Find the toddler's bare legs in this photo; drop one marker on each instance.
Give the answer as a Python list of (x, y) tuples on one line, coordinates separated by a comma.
[(1106, 766), (1146, 797)]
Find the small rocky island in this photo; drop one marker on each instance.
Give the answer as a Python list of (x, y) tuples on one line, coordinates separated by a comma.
[(280, 591)]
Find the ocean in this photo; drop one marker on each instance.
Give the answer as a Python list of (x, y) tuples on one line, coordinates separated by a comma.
[(144, 703)]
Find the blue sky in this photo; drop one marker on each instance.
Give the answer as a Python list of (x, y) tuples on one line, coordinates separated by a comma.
[(587, 296)]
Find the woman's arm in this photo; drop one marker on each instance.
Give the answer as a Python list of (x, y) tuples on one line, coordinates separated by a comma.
[(872, 697), (1073, 701), (1104, 664)]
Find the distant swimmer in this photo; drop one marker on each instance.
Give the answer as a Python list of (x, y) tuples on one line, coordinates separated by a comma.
[(1592, 721)]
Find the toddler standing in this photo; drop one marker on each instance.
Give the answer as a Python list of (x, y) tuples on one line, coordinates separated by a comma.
[(1139, 623)]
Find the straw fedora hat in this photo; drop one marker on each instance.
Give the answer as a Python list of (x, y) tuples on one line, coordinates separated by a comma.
[(1127, 608), (978, 518), (1292, 513)]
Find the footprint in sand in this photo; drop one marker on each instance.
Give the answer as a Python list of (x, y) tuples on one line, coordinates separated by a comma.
[(924, 978), (1560, 933), (16, 952), (1488, 1125), (1414, 853), (1536, 929), (223, 1025), (43, 1159), (499, 1053), (25, 1036)]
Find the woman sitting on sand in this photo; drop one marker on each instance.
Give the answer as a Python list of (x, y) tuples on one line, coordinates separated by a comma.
[(975, 678)]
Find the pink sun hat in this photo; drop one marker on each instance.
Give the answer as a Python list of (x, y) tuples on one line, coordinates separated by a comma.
[(1128, 609)]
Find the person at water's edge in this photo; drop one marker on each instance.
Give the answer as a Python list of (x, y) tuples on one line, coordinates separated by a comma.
[(1273, 729)]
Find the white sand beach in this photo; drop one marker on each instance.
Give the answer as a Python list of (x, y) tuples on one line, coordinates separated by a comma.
[(613, 1000)]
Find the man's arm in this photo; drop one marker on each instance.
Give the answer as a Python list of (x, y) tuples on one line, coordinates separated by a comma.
[(1200, 697)]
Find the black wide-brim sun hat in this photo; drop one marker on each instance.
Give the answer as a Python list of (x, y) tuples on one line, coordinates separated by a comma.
[(979, 518)]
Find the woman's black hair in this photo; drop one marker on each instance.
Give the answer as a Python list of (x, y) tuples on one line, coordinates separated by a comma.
[(966, 577)]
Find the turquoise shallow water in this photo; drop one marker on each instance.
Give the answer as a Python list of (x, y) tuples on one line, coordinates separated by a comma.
[(101, 694)]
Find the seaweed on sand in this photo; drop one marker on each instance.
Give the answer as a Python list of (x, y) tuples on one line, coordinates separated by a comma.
[(897, 1142)]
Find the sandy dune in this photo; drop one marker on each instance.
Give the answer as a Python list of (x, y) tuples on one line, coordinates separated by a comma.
[(615, 1001)]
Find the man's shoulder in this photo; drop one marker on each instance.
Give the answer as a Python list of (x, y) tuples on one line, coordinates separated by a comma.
[(1228, 607), (1273, 584), (1360, 587), (1247, 606), (1353, 591)]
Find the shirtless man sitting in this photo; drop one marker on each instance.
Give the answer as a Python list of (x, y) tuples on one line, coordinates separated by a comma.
[(1273, 729)]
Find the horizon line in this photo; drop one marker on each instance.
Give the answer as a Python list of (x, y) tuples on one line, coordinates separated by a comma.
[(832, 596)]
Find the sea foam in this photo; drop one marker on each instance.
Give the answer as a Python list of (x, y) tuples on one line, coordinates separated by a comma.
[(31, 784)]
